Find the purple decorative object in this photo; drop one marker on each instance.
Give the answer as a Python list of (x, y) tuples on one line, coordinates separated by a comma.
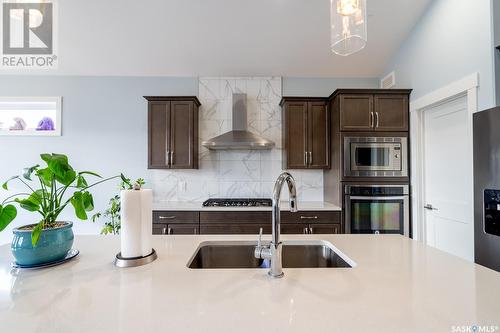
[(46, 124)]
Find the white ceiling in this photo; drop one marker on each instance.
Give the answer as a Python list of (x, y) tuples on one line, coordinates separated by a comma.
[(223, 37)]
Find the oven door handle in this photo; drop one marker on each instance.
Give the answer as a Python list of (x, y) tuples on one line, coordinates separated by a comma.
[(378, 198)]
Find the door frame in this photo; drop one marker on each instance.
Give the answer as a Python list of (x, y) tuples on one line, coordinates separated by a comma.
[(466, 86)]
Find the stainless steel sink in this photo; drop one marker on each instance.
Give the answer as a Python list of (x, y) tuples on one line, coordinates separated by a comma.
[(296, 254)]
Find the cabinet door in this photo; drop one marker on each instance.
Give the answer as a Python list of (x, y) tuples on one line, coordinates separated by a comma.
[(295, 138), (182, 135), (296, 228), (324, 228), (318, 135), (158, 140), (183, 229), (356, 112), (391, 112), (234, 228)]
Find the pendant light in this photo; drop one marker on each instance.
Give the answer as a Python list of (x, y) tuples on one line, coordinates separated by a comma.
[(348, 26)]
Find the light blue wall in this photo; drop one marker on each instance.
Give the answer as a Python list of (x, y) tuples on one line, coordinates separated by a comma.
[(452, 40), (323, 87), (105, 125)]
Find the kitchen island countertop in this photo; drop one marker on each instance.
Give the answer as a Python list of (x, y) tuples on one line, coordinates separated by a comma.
[(398, 285)]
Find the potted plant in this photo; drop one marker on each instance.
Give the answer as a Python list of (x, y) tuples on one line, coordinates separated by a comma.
[(111, 215), (49, 190)]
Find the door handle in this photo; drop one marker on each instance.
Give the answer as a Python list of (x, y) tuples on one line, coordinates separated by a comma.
[(430, 207), (161, 217), (376, 117)]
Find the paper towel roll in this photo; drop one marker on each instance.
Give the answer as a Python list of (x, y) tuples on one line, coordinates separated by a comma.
[(136, 222)]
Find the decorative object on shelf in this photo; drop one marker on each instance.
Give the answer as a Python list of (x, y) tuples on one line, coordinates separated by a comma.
[(46, 124), (50, 239), (348, 21), (112, 214), (19, 124), (136, 217)]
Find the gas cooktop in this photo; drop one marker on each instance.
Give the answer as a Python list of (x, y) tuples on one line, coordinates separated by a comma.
[(238, 202)]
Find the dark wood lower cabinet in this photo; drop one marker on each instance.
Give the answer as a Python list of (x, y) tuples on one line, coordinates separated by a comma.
[(241, 222)]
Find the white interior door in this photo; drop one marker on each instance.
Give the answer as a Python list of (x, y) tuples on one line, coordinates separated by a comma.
[(448, 178)]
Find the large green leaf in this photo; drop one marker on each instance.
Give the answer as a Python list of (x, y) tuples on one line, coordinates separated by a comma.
[(7, 215), (31, 203), (57, 163), (4, 185), (88, 201), (27, 172), (45, 176), (78, 203), (81, 182), (68, 177), (35, 234)]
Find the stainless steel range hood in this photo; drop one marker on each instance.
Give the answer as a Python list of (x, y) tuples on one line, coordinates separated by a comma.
[(239, 137)]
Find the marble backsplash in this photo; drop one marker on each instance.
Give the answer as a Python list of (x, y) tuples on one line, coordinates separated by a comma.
[(246, 173)]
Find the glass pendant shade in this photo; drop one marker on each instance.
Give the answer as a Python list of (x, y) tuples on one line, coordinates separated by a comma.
[(348, 26)]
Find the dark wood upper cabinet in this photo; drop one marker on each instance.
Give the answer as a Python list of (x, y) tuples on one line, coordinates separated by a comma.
[(306, 133), (356, 112), (365, 110), (391, 112), (172, 132)]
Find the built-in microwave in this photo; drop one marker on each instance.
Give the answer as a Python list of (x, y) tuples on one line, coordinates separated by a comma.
[(383, 156)]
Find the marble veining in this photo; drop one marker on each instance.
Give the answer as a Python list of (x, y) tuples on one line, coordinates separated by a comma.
[(244, 173)]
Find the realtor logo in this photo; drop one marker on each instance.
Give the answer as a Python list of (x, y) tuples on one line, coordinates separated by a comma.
[(28, 35)]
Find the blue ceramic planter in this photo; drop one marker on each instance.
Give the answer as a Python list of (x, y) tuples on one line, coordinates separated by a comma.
[(53, 245)]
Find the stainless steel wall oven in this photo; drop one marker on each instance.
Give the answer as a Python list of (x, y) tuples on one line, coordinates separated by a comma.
[(377, 209)]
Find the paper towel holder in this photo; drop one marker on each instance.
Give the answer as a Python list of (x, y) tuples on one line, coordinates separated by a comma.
[(135, 261)]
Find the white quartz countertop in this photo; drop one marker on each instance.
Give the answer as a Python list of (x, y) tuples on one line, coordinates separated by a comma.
[(284, 205), (398, 285)]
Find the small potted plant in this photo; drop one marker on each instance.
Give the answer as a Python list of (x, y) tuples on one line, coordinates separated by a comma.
[(49, 190), (112, 220)]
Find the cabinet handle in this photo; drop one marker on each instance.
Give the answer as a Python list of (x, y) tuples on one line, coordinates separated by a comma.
[(168, 158), (308, 217), (310, 158), (164, 231), (305, 158), (171, 158), (335, 230), (305, 231), (311, 230), (166, 217), (376, 117), (169, 231), (195, 230), (371, 119)]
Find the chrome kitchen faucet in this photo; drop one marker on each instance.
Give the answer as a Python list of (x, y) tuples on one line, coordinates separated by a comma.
[(273, 251)]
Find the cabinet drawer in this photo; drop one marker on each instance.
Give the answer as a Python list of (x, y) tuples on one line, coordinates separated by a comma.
[(175, 229), (229, 218), (175, 217), (234, 228), (311, 217)]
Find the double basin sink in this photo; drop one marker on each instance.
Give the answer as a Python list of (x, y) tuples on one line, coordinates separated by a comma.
[(296, 254)]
